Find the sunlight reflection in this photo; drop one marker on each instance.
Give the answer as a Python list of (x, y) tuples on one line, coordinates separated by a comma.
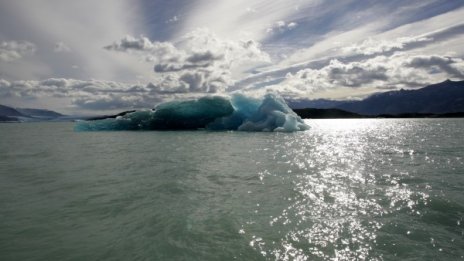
[(338, 190)]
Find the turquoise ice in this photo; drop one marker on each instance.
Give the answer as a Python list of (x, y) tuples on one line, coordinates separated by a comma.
[(238, 112)]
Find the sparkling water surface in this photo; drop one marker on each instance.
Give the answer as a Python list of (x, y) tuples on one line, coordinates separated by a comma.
[(370, 189)]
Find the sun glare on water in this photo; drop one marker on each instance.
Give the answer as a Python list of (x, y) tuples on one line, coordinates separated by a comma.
[(342, 196)]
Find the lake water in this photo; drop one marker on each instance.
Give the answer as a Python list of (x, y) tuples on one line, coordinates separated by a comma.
[(370, 189)]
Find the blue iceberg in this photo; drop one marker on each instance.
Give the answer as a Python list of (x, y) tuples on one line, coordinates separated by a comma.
[(238, 112)]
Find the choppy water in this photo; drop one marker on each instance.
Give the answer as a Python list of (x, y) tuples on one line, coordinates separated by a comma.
[(344, 190)]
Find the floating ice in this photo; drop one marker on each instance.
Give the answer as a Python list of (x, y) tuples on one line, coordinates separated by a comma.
[(238, 112)]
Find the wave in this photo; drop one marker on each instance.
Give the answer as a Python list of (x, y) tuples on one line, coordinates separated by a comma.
[(237, 112)]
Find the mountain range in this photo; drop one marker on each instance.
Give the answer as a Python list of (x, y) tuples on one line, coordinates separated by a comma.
[(440, 98)]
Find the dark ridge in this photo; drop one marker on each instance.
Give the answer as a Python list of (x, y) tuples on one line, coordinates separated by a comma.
[(311, 113), (8, 111), (452, 115), (423, 115), (8, 119)]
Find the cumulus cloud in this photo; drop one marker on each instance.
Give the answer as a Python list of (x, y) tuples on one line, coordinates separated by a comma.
[(130, 43), (397, 71), (198, 62), (13, 50), (199, 46)]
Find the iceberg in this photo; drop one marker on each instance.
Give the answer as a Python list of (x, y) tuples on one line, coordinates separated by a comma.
[(216, 113)]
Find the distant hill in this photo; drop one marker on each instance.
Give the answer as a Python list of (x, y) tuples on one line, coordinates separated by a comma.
[(8, 111), (316, 104), (39, 113), (445, 97), (9, 114), (311, 113)]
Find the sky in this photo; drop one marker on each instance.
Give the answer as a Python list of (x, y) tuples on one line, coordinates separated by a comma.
[(88, 57)]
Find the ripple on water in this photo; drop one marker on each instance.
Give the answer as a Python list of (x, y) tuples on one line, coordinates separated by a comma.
[(344, 190), (354, 187)]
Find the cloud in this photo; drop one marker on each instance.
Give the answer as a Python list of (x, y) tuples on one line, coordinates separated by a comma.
[(199, 62), (199, 46), (88, 95), (12, 50), (111, 102), (186, 62), (384, 22), (170, 57), (385, 45), (454, 67), (371, 46), (130, 43), (61, 47), (239, 18), (281, 26), (84, 25), (398, 71), (110, 95), (250, 10), (442, 42), (173, 19)]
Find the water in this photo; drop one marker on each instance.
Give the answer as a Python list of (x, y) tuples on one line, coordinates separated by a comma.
[(344, 190)]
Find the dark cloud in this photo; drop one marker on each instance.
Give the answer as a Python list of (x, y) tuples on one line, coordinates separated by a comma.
[(452, 66), (196, 60), (129, 43), (356, 74), (204, 58), (204, 81)]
